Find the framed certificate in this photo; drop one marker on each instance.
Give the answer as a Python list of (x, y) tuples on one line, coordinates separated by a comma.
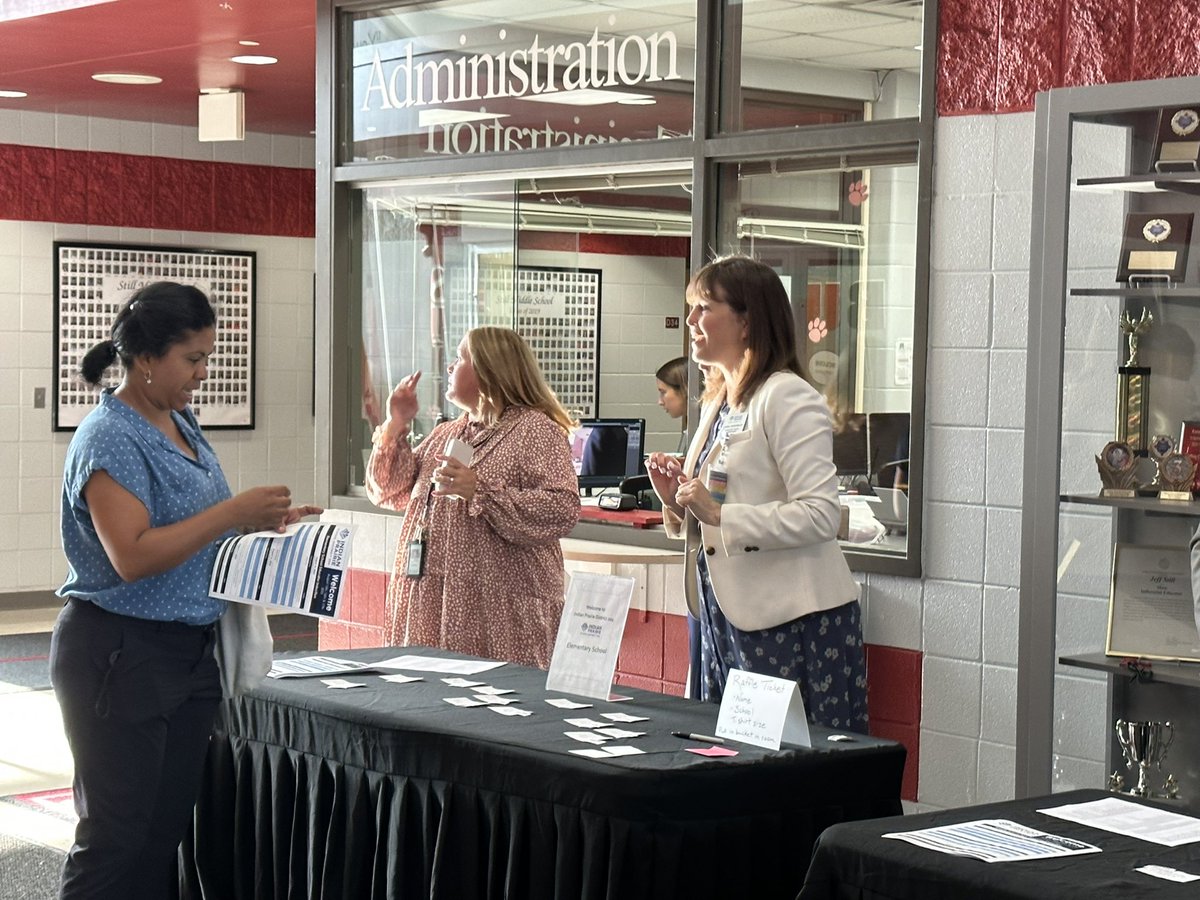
[(1151, 613), (1155, 247), (1189, 445), (1177, 148)]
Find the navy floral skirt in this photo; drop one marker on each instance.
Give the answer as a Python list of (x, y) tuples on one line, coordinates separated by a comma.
[(822, 652)]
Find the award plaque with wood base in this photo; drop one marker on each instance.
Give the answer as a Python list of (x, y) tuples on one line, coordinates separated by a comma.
[(1178, 146), (1155, 248)]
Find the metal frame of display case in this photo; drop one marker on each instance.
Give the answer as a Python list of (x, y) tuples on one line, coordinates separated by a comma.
[(1049, 289)]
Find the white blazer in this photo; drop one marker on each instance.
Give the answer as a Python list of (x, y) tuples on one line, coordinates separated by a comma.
[(775, 555)]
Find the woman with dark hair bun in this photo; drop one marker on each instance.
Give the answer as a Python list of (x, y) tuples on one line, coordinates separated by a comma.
[(144, 506)]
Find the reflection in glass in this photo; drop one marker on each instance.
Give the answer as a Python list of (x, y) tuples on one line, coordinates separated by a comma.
[(822, 62), (589, 269), (843, 241)]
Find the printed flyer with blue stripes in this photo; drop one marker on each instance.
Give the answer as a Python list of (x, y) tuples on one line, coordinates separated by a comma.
[(301, 570)]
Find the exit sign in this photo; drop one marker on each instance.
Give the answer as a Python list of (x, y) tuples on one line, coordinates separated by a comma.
[(672, 321)]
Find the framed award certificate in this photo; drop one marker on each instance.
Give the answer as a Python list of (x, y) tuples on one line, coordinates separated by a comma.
[(1189, 445), (1151, 613), (1177, 148), (1155, 247)]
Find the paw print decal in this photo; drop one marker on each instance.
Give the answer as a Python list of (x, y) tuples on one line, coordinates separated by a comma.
[(858, 192), (817, 329)]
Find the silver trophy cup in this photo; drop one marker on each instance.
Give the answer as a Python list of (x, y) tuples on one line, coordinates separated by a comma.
[(1144, 745)]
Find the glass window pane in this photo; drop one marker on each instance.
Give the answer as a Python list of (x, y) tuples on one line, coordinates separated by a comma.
[(844, 243), (462, 78), (789, 63), (590, 269), (434, 264)]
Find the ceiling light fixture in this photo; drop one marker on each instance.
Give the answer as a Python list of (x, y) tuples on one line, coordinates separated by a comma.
[(248, 43), (125, 78), (254, 60), (32, 8), (13, 94)]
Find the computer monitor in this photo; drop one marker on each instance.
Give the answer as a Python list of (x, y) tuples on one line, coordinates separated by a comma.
[(607, 451), (887, 448)]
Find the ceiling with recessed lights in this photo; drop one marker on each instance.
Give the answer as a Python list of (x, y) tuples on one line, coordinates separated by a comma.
[(54, 58)]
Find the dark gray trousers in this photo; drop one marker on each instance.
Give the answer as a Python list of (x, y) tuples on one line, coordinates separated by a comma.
[(138, 700)]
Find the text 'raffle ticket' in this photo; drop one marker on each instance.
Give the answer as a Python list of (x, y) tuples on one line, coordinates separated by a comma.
[(301, 570)]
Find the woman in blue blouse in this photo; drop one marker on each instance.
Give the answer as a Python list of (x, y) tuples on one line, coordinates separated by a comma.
[(144, 505)]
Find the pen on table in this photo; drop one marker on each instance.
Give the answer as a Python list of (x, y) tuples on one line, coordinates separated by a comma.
[(697, 737)]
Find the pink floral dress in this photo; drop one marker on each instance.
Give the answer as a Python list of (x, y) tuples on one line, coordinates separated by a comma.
[(492, 583)]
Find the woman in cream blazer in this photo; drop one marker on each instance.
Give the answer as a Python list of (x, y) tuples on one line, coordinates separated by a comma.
[(756, 499)]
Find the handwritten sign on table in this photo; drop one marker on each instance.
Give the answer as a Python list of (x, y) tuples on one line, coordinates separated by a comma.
[(589, 635), (763, 711)]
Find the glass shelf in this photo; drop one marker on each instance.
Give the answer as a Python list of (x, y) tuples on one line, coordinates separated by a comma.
[(1144, 504), (1181, 291), (1165, 670), (1179, 182)]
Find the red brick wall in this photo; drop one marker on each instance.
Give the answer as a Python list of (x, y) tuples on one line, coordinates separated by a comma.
[(41, 184), (995, 55)]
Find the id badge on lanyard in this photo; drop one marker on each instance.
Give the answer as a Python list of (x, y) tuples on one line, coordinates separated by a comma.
[(718, 471), (414, 558)]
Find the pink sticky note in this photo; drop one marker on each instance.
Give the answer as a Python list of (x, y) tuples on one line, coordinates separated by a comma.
[(711, 751)]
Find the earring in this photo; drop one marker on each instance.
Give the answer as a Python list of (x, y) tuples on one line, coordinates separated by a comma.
[(147, 374)]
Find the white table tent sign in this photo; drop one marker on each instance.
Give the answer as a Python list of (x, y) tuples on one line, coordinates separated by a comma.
[(589, 635), (763, 711)]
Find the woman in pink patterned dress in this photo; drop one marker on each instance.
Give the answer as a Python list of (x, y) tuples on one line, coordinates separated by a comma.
[(479, 568)]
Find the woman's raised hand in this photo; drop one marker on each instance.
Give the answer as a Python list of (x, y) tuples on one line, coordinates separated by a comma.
[(403, 403)]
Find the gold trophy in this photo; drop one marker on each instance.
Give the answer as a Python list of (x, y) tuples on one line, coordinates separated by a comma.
[(1133, 386)]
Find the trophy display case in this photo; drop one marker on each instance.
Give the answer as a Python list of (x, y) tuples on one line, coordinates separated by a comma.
[(1107, 613)]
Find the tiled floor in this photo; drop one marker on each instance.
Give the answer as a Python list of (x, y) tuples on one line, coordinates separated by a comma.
[(33, 750)]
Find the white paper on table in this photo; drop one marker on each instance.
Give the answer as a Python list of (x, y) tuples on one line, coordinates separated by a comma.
[(511, 711), (994, 840), (493, 699), (401, 679), (564, 703), (464, 701), (1167, 874), (586, 737), (301, 569), (585, 723), (619, 733), (461, 682), (592, 752), (341, 683), (494, 691), (307, 666), (625, 717), (439, 664), (589, 634), (1131, 819), (612, 750)]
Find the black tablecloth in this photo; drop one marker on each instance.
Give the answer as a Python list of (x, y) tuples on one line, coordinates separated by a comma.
[(853, 861), (388, 791)]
